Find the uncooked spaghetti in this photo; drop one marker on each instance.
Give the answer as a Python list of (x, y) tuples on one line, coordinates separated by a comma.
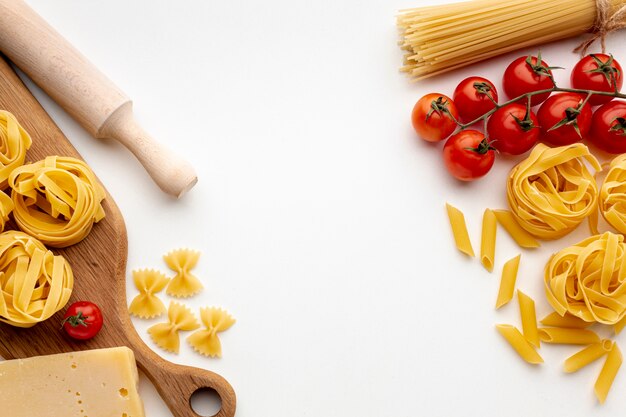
[(438, 39)]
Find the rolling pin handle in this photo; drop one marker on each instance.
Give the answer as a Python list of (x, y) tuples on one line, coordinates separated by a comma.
[(171, 173)]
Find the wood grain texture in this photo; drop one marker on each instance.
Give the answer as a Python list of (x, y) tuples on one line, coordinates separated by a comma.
[(86, 93), (99, 265)]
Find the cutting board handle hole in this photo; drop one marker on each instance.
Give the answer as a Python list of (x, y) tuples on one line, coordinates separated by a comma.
[(205, 402)]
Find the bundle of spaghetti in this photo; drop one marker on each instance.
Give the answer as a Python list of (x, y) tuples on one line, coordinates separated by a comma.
[(612, 202), (588, 279), (57, 200), (551, 192), (14, 142), (441, 38), (34, 283)]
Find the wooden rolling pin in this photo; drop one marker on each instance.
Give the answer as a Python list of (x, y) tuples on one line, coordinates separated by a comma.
[(85, 93)]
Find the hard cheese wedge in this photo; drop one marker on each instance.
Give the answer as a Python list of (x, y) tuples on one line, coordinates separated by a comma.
[(91, 383)]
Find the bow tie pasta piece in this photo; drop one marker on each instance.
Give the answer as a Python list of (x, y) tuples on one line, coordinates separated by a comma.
[(551, 192), (184, 284), (206, 342), (612, 202), (57, 200), (146, 305), (34, 283), (165, 335), (588, 279), (14, 142)]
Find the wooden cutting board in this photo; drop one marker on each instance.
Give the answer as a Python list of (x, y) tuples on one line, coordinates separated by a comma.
[(99, 265)]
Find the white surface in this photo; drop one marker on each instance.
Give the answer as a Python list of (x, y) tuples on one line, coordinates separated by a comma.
[(319, 213)]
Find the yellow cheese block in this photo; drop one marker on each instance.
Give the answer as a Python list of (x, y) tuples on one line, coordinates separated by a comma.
[(91, 383)]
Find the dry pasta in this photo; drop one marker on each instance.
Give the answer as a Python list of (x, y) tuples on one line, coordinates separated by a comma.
[(551, 192), (147, 305), (589, 354), (437, 39), (529, 318), (588, 280), (607, 375), (567, 321), (507, 281), (488, 240), (14, 142), (518, 342), (521, 236), (459, 230), (184, 283), (568, 336), (612, 201), (57, 200), (619, 326), (6, 207), (205, 341), (34, 282), (165, 335)]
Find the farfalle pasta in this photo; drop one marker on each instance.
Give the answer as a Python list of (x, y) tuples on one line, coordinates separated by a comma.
[(165, 335), (14, 142), (147, 305), (206, 341), (612, 201), (57, 200), (551, 192), (588, 280), (184, 283), (34, 283)]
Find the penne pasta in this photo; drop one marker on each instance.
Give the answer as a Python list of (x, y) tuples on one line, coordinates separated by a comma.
[(589, 354), (568, 336), (488, 240), (459, 230), (607, 375), (519, 235), (517, 341), (566, 321), (507, 281), (529, 318)]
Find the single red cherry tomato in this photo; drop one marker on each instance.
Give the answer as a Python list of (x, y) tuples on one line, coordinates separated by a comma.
[(513, 129), (608, 127), (474, 96), (528, 74), (82, 320), (434, 117), (599, 72), (564, 119), (468, 155)]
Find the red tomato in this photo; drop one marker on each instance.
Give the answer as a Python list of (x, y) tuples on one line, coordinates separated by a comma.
[(524, 75), (562, 119), (434, 117), (472, 98), (599, 72), (608, 127), (512, 129), (82, 320), (468, 155)]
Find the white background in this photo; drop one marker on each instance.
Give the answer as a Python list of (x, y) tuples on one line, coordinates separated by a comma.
[(319, 213)]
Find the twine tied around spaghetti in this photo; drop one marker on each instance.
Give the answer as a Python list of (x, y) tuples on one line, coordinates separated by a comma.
[(604, 24)]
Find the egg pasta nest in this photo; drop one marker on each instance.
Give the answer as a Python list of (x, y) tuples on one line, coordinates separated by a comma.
[(551, 192), (14, 142), (57, 200), (34, 283), (612, 202), (588, 280)]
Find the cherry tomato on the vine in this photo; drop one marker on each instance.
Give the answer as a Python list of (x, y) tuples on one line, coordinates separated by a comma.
[(513, 129), (564, 119), (82, 320), (599, 72), (468, 155), (474, 96), (434, 116), (528, 74), (608, 127)]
